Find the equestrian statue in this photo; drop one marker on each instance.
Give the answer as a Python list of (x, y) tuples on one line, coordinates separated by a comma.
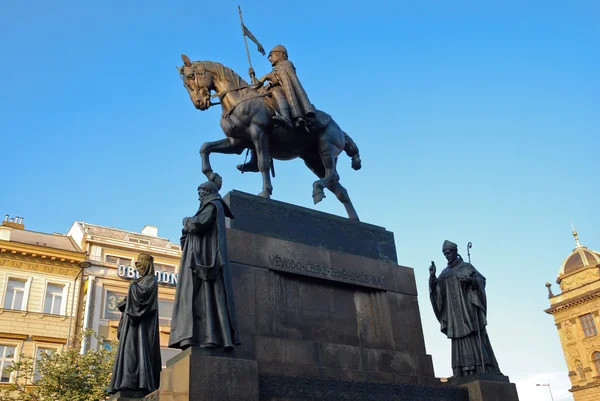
[(276, 121)]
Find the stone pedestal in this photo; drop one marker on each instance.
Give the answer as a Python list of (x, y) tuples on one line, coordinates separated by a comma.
[(324, 312), (483, 390), (127, 395), (488, 387), (196, 374)]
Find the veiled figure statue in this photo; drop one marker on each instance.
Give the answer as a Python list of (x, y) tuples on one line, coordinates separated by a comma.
[(459, 303), (138, 361), (276, 122), (204, 309)]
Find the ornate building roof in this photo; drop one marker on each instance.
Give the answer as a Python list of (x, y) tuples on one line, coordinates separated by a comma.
[(580, 258)]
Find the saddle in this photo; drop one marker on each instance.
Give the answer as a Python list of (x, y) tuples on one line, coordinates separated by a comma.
[(321, 121)]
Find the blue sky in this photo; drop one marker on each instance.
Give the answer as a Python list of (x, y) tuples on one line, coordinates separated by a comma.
[(476, 121)]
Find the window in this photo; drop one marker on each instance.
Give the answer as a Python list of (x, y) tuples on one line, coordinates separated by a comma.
[(165, 312), (54, 299), (38, 356), (596, 360), (7, 356), (15, 294), (164, 268), (139, 241), (588, 325), (111, 302), (118, 260)]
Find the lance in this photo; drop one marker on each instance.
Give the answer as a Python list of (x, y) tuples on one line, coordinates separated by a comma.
[(469, 246), (244, 35)]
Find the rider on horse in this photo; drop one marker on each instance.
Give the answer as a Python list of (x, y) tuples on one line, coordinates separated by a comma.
[(285, 88)]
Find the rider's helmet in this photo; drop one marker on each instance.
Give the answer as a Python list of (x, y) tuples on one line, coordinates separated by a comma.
[(280, 49)]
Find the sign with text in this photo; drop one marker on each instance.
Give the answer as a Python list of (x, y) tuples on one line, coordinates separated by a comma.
[(112, 299), (131, 273)]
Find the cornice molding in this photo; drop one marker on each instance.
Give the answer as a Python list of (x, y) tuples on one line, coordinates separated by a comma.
[(39, 265), (581, 299), (133, 247), (44, 251)]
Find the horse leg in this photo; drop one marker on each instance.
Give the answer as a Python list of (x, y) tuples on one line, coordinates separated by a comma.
[(225, 146), (261, 144), (342, 195), (315, 164), (331, 176)]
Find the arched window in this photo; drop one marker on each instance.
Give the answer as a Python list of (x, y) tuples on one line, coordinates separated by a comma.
[(596, 360)]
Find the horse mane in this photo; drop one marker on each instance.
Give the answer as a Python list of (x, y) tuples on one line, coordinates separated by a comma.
[(222, 71)]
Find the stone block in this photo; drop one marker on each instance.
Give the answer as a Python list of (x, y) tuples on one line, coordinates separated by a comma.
[(128, 395), (295, 352), (376, 360), (291, 257), (404, 280), (426, 366), (198, 377), (485, 390), (340, 356), (373, 318), (363, 271), (288, 222), (406, 323), (245, 296), (286, 388), (328, 312)]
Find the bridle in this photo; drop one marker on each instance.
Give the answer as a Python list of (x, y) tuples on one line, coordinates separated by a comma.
[(200, 74)]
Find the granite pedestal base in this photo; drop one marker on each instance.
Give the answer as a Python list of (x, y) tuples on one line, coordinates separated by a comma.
[(127, 395), (196, 375), (487, 387), (483, 390), (324, 313)]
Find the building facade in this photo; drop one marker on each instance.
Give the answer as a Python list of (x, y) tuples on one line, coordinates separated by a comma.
[(40, 281), (112, 253), (576, 314)]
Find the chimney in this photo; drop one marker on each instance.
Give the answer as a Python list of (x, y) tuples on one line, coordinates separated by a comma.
[(150, 231), (13, 222)]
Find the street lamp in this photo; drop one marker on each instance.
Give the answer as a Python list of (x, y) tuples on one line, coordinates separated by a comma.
[(82, 266), (549, 389)]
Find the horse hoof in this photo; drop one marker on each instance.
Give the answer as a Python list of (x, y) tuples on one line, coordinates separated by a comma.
[(265, 194), (216, 178), (318, 197)]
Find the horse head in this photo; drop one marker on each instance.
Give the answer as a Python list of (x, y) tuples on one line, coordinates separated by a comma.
[(197, 81)]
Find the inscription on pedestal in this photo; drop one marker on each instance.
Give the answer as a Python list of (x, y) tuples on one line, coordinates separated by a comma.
[(314, 269)]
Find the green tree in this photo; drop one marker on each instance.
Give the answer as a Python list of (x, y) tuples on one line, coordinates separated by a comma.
[(66, 376)]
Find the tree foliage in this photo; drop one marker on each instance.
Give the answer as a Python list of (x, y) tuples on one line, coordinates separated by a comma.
[(66, 376)]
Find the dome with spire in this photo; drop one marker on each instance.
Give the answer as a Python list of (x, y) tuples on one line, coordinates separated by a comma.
[(580, 258)]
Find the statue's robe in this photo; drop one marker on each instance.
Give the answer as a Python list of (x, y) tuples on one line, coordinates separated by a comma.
[(138, 361), (204, 309), (295, 94), (461, 310)]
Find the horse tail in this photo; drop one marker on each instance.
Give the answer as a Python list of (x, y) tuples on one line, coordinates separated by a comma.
[(352, 151)]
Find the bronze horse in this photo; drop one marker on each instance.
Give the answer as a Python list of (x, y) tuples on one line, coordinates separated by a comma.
[(247, 123)]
